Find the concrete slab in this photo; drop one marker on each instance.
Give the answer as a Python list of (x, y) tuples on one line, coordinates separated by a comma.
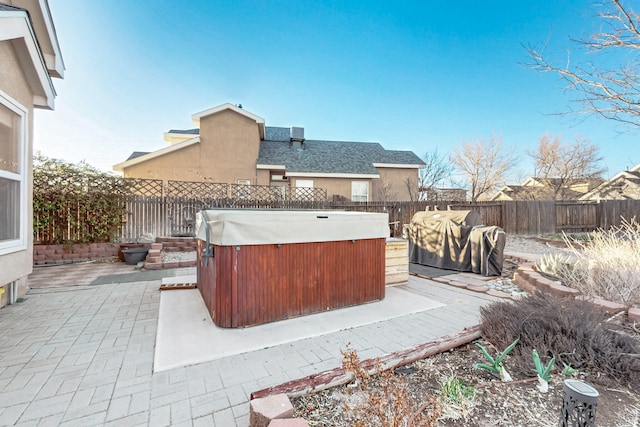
[(192, 278), (186, 334)]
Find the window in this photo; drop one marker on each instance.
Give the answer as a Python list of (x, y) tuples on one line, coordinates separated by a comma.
[(13, 181), (244, 188), (359, 191), (304, 189)]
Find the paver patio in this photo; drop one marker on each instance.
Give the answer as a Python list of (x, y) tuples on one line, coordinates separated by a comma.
[(83, 355)]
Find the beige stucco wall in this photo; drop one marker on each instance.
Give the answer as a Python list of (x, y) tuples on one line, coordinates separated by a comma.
[(393, 184), (17, 265), (227, 152)]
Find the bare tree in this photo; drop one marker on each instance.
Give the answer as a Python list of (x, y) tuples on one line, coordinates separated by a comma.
[(437, 168), (612, 92), (484, 163), (561, 165)]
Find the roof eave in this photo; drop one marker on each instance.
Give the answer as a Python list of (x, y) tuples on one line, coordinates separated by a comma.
[(146, 157), (16, 27)]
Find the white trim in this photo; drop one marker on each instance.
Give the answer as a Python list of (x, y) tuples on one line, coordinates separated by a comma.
[(43, 24), (175, 147), (20, 243), (332, 175), (275, 167), (398, 165), (16, 27), (588, 195), (174, 137)]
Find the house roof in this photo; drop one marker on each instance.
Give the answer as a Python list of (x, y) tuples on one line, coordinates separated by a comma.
[(311, 157), (28, 37), (137, 154), (331, 157), (632, 176)]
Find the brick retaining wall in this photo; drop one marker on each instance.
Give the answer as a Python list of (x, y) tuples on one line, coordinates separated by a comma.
[(64, 254)]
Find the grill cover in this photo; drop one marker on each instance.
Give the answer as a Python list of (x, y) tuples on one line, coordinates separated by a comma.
[(456, 240)]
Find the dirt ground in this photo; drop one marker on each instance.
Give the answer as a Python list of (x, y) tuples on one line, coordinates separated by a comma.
[(495, 403)]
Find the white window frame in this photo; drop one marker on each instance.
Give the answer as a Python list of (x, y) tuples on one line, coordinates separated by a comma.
[(358, 196), (19, 244)]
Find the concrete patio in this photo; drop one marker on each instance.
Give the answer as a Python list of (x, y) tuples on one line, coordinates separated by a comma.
[(79, 350)]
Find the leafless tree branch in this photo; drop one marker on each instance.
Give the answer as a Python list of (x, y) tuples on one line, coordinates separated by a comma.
[(612, 93)]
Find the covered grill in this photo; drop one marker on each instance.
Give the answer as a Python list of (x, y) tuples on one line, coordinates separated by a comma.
[(455, 240)]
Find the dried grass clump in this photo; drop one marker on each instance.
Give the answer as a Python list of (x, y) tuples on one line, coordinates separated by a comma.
[(385, 400), (571, 330), (608, 264)]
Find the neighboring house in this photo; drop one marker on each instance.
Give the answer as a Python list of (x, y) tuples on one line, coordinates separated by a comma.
[(29, 58), (547, 189), (233, 146), (624, 185)]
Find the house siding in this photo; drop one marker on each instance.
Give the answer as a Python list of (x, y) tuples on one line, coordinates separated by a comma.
[(18, 265), (227, 151)]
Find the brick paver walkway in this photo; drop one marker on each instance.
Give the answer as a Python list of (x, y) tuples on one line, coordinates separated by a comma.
[(83, 356)]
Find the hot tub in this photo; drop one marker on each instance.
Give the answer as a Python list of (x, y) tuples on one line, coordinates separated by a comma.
[(259, 266)]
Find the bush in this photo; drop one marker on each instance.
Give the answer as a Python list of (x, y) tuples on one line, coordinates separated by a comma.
[(75, 203), (571, 330), (607, 265)]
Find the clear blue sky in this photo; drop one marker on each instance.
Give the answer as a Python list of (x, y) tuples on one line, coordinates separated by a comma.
[(410, 75)]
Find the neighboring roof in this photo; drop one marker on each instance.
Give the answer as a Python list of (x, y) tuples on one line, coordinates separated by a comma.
[(334, 157), (300, 158), (141, 156), (632, 176), (195, 131), (137, 154)]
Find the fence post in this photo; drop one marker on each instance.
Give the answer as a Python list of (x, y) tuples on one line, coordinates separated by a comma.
[(579, 402)]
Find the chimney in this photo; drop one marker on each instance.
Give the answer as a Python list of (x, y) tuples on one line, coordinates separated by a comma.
[(297, 134)]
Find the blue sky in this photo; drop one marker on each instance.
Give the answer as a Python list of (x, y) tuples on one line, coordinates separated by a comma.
[(410, 75)]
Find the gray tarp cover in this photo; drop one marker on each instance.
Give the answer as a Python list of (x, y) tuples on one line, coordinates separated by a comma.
[(456, 240)]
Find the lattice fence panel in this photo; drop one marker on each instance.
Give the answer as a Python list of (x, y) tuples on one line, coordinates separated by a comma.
[(144, 187)]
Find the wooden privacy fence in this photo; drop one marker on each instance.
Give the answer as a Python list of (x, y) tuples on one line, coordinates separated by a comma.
[(155, 208), (176, 215)]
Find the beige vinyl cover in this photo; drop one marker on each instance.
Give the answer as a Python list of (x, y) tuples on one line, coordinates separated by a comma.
[(261, 227)]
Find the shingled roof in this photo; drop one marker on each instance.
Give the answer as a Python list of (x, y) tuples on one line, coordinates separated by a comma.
[(318, 156)]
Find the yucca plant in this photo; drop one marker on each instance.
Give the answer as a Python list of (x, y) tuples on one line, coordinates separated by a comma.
[(496, 365), (544, 372)]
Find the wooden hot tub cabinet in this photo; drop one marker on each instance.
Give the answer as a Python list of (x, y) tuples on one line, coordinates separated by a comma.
[(251, 284)]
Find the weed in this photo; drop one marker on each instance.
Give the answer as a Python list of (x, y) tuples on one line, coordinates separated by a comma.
[(388, 403), (458, 398)]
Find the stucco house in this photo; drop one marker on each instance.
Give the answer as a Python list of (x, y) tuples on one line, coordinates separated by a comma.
[(624, 185), (231, 145), (30, 57), (547, 189)]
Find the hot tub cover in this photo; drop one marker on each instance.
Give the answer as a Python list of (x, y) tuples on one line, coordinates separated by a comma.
[(261, 227)]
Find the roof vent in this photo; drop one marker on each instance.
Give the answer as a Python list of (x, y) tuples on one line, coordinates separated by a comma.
[(297, 134)]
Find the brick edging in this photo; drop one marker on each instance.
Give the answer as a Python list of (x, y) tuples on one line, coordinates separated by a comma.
[(77, 252)]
